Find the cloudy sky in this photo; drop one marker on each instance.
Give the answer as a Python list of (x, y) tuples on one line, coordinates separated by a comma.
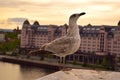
[(98, 12)]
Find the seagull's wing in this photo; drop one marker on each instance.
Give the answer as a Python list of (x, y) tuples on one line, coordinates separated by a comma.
[(60, 45)]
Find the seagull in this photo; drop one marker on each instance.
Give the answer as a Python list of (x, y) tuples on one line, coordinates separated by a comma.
[(68, 44)]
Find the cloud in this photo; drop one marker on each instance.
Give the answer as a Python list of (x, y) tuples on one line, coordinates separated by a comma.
[(13, 3), (1, 22), (47, 11), (16, 20)]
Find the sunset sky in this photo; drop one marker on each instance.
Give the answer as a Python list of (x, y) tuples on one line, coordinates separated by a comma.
[(98, 12)]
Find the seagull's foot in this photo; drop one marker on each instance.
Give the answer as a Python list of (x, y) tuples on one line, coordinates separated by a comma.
[(66, 69)]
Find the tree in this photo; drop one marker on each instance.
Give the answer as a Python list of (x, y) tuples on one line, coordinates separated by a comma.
[(11, 43), (105, 63)]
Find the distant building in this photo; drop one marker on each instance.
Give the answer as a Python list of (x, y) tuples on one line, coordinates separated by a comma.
[(100, 39), (17, 30), (33, 36), (94, 39), (2, 37), (19, 36)]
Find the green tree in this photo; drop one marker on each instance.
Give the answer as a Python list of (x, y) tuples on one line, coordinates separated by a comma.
[(105, 63), (11, 44)]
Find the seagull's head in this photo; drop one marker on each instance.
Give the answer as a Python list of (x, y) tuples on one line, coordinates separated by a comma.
[(74, 17)]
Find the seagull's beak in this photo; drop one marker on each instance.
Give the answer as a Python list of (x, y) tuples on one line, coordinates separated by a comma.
[(83, 13)]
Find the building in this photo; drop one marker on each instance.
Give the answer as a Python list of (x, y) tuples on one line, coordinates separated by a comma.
[(17, 30), (2, 37), (100, 39), (33, 36), (94, 39)]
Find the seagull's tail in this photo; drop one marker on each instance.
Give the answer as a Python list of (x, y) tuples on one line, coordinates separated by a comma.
[(34, 51)]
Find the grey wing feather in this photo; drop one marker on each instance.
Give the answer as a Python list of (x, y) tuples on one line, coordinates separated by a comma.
[(59, 45)]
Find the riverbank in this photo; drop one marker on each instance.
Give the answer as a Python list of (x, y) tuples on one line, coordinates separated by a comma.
[(47, 63), (42, 64), (28, 62)]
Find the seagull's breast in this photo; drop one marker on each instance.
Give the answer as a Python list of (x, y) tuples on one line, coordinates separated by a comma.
[(69, 47), (75, 45)]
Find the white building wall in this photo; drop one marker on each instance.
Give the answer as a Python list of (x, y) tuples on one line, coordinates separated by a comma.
[(2, 37)]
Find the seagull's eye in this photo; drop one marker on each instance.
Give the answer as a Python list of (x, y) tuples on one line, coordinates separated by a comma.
[(74, 15)]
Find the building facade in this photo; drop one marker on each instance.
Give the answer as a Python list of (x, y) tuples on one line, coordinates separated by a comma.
[(100, 39), (94, 39), (34, 36)]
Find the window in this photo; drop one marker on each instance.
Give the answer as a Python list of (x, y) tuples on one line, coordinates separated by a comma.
[(109, 49), (88, 44), (89, 38), (92, 28), (94, 38), (97, 45), (109, 46), (88, 28), (97, 28), (113, 29), (84, 28), (109, 42)]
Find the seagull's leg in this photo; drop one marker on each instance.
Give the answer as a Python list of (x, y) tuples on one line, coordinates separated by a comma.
[(65, 68), (60, 62), (64, 60), (64, 63)]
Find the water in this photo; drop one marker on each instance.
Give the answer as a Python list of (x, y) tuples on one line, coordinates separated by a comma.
[(9, 71)]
